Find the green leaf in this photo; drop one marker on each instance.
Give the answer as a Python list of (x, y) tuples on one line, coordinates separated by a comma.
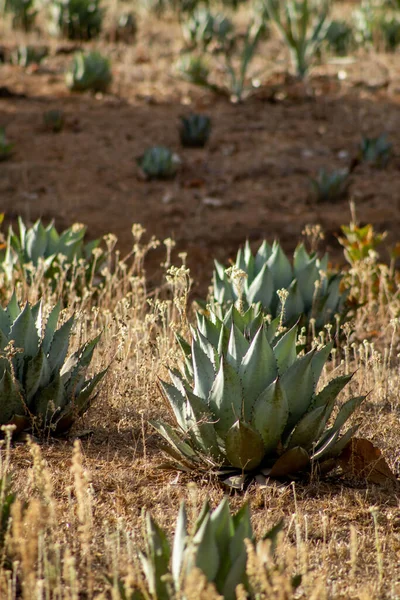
[(244, 446), (178, 549), (280, 267), (206, 551), (37, 375), (11, 401), (235, 576), (263, 254), (340, 445), (243, 530), (222, 529), (208, 329), (298, 384), (285, 350), (270, 415), (23, 332), (156, 563), (83, 400), (173, 439), (226, 398), (59, 345), (50, 328), (49, 401), (262, 288), (257, 371), (237, 347), (331, 390), (177, 401), (306, 279), (294, 304), (201, 427), (306, 430), (203, 371), (319, 359), (12, 309), (301, 260), (346, 411), (35, 243)]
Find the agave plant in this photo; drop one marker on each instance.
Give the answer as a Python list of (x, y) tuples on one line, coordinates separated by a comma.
[(159, 162), (216, 547), (27, 55), (56, 250), (195, 130), (302, 25), (330, 186), (248, 405), (89, 71), (339, 37), (377, 151), (75, 19), (54, 120), (203, 27), (40, 388), (312, 292), (194, 69)]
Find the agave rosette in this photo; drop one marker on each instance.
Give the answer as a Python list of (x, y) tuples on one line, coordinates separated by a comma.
[(40, 388), (58, 251), (313, 292), (246, 403)]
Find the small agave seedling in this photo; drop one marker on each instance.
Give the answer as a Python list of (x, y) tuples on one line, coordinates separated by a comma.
[(194, 69), (339, 37), (246, 404), (330, 186), (89, 71), (6, 147), (54, 120), (204, 27), (56, 250), (40, 388), (28, 55), (311, 290), (159, 163), (195, 130), (377, 151)]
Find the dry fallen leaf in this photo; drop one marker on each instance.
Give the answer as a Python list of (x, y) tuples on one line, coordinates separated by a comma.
[(362, 459)]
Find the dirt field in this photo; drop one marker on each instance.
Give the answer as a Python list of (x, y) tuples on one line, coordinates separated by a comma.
[(252, 181)]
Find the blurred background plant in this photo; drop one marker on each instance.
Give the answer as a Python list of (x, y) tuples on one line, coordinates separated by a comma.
[(75, 19), (89, 71), (330, 186)]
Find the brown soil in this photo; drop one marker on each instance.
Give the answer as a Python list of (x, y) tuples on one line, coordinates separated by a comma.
[(252, 181)]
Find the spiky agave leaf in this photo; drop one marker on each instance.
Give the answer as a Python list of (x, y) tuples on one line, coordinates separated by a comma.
[(40, 388), (313, 292), (256, 405)]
